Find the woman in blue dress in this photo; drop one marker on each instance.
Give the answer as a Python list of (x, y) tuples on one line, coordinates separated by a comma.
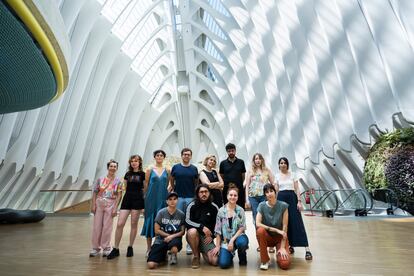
[(155, 187)]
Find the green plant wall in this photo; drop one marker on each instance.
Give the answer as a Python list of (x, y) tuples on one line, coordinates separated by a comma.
[(390, 164)]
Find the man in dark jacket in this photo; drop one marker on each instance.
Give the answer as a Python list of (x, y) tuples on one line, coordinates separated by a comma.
[(200, 219)]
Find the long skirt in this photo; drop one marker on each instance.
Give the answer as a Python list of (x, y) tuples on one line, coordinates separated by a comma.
[(296, 229)]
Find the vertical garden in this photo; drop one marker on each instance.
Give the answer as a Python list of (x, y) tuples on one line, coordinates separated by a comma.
[(390, 164)]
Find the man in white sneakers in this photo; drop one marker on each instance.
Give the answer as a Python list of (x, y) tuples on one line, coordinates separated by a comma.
[(169, 228)]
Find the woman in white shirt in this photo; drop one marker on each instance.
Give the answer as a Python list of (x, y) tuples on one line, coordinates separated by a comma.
[(289, 193)]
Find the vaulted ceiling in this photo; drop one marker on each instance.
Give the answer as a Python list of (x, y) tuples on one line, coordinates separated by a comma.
[(315, 81)]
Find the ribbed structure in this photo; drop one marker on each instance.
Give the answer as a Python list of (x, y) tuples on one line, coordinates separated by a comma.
[(314, 81)]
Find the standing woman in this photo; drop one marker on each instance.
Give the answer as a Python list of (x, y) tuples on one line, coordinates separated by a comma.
[(229, 231), (258, 176), (213, 180), (132, 203), (289, 193), (105, 199), (155, 188)]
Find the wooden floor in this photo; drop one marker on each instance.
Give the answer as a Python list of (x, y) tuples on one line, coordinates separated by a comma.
[(341, 246)]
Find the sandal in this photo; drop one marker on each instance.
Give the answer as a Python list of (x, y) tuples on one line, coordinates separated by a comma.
[(291, 250), (308, 255)]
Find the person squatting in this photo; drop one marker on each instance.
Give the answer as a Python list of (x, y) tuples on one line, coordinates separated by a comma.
[(206, 207)]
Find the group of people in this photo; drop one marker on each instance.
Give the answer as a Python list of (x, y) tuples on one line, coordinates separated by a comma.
[(207, 206)]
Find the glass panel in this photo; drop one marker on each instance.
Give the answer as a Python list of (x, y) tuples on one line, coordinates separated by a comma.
[(52, 201)]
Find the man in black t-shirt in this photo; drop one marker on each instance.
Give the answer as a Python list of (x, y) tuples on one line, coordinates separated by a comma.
[(232, 170)]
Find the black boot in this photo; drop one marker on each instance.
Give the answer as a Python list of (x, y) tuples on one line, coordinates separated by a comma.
[(114, 253), (130, 251)]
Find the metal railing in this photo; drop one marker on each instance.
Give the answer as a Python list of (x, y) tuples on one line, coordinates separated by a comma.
[(339, 200)]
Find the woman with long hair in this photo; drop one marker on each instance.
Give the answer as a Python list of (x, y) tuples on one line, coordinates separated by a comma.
[(289, 193), (155, 188), (105, 198), (258, 176), (212, 178), (132, 203)]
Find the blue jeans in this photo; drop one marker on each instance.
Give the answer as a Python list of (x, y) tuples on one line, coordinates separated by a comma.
[(183, 202), (254, 203), (241, 244)]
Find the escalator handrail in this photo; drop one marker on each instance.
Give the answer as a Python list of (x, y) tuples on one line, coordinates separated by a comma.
[(316, 190), (322, 199), (354, 191)]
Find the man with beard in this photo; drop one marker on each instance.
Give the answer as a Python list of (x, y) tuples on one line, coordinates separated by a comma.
[(232, 170), (183, 180), (201, 220)]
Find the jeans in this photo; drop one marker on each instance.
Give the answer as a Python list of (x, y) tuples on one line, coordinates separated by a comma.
[(254, 203), (241, 244), (183, 202)]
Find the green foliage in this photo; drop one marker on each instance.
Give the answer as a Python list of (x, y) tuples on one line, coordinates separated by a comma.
[(384, 160)]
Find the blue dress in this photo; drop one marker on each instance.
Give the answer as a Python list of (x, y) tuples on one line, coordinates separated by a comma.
[(155, 200)]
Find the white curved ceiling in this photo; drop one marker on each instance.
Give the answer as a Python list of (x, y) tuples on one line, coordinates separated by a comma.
[(310, 80)]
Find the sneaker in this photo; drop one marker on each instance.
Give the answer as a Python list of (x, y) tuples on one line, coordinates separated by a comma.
[(173, 259), (188, 250), (94, 252), (264, 266), (114, 254), (130, 251), (195, 262), (106, 252)]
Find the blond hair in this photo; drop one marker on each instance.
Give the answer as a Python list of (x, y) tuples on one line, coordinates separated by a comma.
[(207, 158), (262, 166)]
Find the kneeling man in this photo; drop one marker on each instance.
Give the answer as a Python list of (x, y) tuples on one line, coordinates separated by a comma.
[(169, 228), (200, 218)]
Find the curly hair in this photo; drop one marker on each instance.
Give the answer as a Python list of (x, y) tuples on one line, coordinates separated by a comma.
[(133, 157)]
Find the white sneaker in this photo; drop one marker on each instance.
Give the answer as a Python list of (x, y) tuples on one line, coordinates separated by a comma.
[(173, 259), (264, 266), (106, 252), (94, 252), (188, 250)]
